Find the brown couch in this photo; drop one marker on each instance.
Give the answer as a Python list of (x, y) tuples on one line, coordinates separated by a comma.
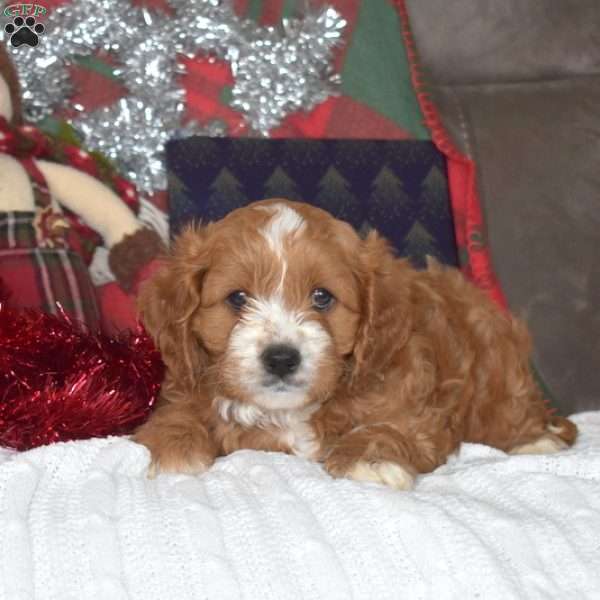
[(518, 88)]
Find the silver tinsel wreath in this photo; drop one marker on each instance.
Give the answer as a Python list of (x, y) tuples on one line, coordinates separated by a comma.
[(277, 71)]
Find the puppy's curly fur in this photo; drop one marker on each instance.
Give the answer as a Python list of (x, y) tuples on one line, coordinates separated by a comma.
[(395, 373)]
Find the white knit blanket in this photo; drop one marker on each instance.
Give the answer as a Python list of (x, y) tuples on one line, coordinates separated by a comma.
[(80, 521)]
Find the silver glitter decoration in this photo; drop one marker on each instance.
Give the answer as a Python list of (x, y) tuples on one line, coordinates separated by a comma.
[(277, 70), (76, 29), (283, 70), (116, 132)]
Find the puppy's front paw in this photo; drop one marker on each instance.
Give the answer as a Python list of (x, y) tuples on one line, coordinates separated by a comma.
[(184, 463), (388, 473), (175, 451), (546, 444)]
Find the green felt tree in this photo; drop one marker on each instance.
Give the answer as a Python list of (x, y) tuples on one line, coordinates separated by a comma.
[(419, 243), (176, 186), (281, 185), (334, 193), (179, 194), (388, 201), (226, 194), (433, 201)]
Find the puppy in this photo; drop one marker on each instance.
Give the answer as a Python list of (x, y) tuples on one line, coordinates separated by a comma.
[(282, 330)]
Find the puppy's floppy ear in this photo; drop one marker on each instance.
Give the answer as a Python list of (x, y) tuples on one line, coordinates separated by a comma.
[(168, 300), (385, 312)]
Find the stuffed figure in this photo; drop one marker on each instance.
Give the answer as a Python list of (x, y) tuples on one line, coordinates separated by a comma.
[(64, 373), (54, 198)]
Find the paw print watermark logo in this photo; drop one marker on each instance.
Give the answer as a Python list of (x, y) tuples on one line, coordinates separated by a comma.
[(24, 27)]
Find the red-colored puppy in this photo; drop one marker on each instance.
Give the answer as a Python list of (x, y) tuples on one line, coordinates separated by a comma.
[(282, 330)]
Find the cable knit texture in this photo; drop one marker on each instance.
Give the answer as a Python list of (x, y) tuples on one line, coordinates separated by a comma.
[(81, 521)]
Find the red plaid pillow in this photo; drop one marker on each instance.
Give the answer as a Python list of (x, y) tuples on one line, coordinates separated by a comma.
[(40, 277)]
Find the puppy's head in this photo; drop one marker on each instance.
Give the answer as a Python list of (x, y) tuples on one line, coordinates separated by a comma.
[(270, 306)]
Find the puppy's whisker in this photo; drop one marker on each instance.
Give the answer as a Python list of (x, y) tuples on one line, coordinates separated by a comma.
[(300, 318)]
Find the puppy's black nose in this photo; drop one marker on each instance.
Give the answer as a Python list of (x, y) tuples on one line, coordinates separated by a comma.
[(281, 359)]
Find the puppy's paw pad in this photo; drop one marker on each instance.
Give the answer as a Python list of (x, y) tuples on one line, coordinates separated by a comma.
[(547, 444), (388, 473)]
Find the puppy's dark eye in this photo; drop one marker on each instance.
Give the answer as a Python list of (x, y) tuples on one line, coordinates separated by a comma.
[(237, 299), (322, 299)]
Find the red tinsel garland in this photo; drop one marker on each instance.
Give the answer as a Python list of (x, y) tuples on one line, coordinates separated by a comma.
[(60, 382)]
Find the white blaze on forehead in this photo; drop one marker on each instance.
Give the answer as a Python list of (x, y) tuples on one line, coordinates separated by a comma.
[(284, 222)]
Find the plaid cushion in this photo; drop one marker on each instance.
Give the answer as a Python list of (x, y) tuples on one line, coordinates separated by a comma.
[(42, 277)]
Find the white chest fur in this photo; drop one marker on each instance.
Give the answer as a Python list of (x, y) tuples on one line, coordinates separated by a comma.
[(292, 427)]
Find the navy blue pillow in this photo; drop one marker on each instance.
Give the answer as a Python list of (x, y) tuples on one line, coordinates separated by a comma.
[(397, 187)]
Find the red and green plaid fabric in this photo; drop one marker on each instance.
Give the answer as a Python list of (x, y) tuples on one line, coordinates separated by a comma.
[(41, 277), (42, 253), (26, 143)]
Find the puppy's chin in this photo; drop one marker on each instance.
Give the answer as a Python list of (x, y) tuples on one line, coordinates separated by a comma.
[(281, 396)]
